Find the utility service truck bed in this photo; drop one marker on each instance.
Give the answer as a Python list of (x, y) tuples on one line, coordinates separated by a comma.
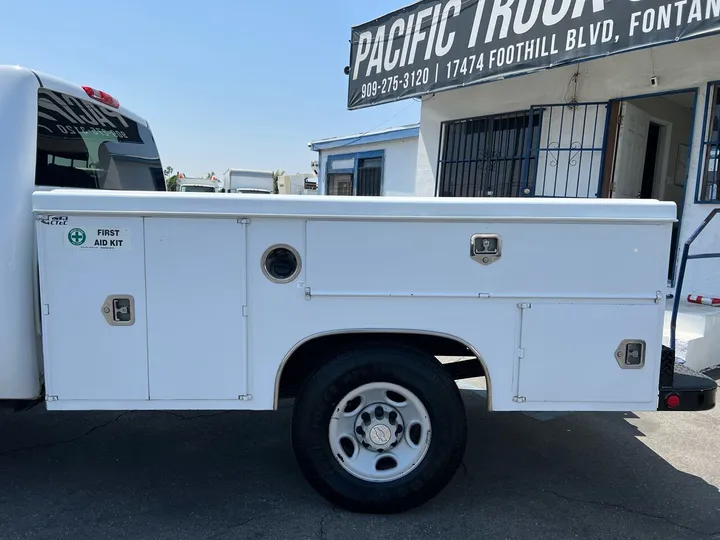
[(344, 303)]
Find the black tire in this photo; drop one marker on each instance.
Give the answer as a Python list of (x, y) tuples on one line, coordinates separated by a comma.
[(417, 372)]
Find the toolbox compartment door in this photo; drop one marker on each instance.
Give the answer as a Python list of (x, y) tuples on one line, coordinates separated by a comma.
[(574, 353), (197, 302), (90, 269)]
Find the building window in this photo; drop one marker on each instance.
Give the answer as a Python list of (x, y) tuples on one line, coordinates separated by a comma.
[(355, 174), (369, 174), (548, 151), (339, 184), (569, 149), (489, 156), (709, 174)]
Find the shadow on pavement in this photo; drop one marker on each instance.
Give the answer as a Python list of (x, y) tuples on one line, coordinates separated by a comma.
[(233, 475)]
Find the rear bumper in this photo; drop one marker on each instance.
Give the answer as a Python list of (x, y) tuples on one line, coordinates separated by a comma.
[(683, 389)]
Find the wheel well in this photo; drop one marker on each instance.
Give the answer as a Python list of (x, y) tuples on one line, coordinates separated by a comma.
[(315, 352)]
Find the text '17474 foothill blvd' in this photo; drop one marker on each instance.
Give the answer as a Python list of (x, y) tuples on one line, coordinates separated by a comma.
[(437, 45)]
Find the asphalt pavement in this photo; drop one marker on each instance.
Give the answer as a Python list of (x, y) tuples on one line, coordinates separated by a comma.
[(156, 475)]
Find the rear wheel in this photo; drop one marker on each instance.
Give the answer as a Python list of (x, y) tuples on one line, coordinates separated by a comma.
[(379, 430)]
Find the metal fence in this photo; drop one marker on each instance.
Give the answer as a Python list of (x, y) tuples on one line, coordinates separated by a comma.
[(369, 177), (488, 156), (570, 150), (547, 151)]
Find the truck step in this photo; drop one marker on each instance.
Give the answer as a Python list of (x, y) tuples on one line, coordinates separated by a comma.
[(690, 391)]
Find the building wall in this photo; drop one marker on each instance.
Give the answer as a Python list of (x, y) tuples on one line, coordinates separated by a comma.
[(686, 65), (398, 166)]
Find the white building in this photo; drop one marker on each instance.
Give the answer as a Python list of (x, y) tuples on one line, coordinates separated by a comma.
[(631, 114), (374, 163)]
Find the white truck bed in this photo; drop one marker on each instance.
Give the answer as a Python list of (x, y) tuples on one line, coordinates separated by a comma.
[(575, 278)]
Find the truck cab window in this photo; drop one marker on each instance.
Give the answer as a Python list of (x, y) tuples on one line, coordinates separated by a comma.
[(84, 145)]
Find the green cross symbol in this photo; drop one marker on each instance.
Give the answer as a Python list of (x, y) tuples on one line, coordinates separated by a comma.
[(77, 237)]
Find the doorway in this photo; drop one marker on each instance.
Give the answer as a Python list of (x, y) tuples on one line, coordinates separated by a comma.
[(649, 144), (650, 166)]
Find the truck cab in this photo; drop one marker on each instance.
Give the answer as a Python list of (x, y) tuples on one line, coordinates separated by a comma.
[(56, 134), (187, 184)]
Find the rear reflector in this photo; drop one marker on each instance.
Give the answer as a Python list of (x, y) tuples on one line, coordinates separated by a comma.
[(102, 97)]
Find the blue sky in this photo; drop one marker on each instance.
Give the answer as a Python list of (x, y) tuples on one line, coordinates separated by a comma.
[(223, 83)]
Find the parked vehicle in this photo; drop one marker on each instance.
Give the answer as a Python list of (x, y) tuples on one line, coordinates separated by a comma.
[(55, 134), (196, 185), (248, 181), (377, 289), (297, 184), (197, 188), (253, 191)]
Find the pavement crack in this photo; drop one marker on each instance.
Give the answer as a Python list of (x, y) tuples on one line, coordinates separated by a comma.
[(64, 441), (634, 511), (322, 532), (322, 527), (239, 525)]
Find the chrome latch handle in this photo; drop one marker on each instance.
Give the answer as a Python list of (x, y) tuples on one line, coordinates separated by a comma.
[(119, 310), (485, 248)]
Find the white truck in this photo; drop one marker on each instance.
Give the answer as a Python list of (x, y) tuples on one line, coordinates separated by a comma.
[(558, 303), (248, 181), (197, 185), (297, 184), (54, 134)]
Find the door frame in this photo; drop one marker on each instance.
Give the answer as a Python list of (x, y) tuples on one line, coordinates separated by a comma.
[(610, 152)]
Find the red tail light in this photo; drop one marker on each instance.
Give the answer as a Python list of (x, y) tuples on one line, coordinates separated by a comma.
[(673, 401), (102, 97)]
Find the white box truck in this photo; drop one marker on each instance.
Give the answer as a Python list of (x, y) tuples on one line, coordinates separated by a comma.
[(297, 184), (248, 181), (558, 303)]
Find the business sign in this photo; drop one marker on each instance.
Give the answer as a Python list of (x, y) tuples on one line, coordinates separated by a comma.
[(440, 44)]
